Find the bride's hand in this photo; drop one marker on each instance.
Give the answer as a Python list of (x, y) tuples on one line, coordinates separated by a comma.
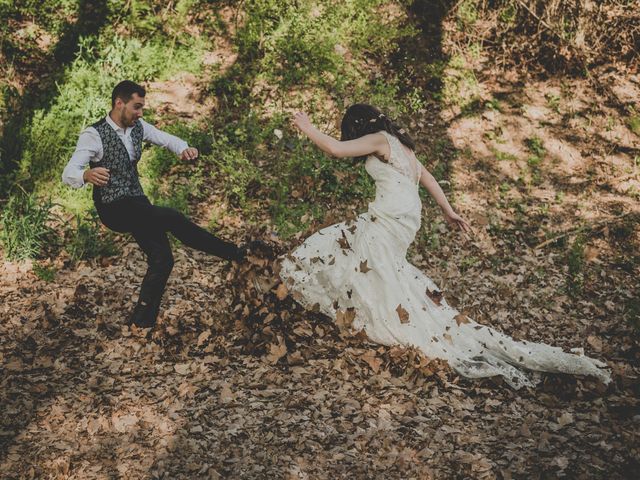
[(454, 220), (301, 120)]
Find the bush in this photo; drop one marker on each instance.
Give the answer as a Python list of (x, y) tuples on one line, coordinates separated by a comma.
[(25, 231)]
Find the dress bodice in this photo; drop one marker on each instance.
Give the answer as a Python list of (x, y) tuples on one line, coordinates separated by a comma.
[(400, 161)]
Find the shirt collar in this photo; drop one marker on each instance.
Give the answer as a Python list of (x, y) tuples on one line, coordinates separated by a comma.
[(114, 125)]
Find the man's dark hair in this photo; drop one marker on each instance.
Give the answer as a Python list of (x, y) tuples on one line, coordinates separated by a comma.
[(125, 90)]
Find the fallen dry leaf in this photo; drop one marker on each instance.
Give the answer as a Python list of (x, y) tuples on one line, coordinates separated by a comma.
[(435, 296), (282, 291), (461, 319), (277, 351), (402, 314)]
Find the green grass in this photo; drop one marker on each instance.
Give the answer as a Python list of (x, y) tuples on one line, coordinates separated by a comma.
[(88, 239), (576, 265), (502, 156), (25, 231), (45, 272), (634, 124)]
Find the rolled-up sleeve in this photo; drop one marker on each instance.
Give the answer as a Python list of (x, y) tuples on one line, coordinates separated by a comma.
[(163, 139), (88, 148)]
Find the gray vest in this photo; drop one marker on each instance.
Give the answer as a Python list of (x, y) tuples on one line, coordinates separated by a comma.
[(123, 171)]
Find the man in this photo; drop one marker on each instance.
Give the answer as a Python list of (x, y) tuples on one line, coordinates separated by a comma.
[(112, 148)]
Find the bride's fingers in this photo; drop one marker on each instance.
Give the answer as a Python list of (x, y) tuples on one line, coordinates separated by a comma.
[(466, 229)]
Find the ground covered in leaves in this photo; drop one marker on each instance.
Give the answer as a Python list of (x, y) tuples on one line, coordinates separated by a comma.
[(237, 381)]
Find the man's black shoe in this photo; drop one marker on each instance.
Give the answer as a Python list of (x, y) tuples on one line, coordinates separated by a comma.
[(143, 316)]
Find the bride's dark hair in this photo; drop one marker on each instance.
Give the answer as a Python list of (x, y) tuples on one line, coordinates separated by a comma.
[(361, 119)]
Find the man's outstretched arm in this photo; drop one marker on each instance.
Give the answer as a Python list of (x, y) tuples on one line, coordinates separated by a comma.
[(170, 142)]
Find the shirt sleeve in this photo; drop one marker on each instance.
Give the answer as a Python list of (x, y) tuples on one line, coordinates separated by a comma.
[(163, 139), (88, 148)]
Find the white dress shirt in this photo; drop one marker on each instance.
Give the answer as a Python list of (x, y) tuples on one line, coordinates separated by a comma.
[(89, 148)]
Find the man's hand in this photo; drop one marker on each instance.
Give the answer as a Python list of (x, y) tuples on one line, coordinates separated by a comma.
[(98, 176), (189, 154)]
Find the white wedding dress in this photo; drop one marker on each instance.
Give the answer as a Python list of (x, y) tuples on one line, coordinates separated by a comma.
[(361, 267)]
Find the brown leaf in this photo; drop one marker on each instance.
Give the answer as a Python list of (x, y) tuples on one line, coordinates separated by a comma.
[(344, 318), (461, 318), (282, 291), (364, 268), (203, 337), (226, 395), (565, 419), (435, 296), (181, 368), (122, 423), (295, 358), (595, 342), (403, 314), (277, 351), (372, 360), (344, 243)]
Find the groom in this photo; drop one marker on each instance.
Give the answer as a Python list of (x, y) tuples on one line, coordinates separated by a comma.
[(112, 148)]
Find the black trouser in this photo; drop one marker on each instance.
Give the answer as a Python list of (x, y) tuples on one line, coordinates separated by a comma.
[(148, 224)]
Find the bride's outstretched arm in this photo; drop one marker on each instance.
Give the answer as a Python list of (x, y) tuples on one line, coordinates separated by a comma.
[(433, 187), (366, 145)]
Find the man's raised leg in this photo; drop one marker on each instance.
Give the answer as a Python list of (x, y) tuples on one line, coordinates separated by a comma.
[(193, 235)]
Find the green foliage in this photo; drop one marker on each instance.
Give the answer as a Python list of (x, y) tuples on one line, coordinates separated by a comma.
[(45, 272), (503, 155), (553, 101), (169, 181), (25, 232), (83, 97), (314, 51), (467, 13), (575, 262), (310, 183), (535, 145), (89, 240), (238, 172), (493, 104), (52, 15), (305, 41), (461, 86), (507, 14), (634, 124)]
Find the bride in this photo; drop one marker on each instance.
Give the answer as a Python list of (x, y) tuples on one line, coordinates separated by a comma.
[(356, 271)]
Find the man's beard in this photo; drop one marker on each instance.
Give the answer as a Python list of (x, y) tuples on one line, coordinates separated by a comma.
[(127, 122)]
